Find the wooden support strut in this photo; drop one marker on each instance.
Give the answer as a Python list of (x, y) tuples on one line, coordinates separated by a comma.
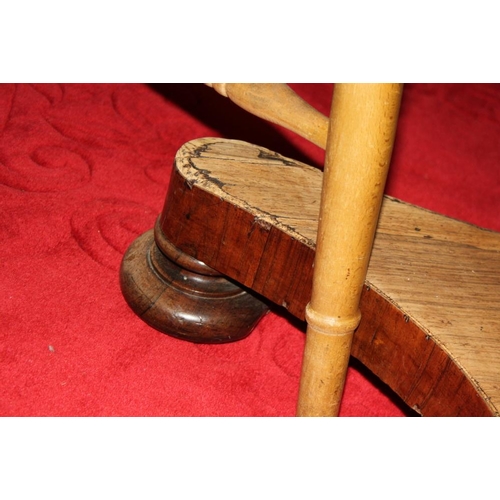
[(359, 148), (278, 103)]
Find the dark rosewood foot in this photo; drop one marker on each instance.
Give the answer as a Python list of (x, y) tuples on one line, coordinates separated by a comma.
[(183, 297)]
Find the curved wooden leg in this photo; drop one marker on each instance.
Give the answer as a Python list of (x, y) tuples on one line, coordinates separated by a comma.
[(182, 297), (430, 353)]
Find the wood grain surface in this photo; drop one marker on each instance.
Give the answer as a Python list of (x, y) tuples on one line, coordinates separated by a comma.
[(430, 324)]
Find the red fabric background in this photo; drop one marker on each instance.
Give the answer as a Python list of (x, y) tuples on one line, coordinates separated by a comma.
[(84, 170)]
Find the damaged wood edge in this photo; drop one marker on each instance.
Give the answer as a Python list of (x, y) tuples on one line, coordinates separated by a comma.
[(202, 178)]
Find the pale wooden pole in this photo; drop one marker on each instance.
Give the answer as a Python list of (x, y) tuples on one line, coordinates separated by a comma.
[(360, 140)]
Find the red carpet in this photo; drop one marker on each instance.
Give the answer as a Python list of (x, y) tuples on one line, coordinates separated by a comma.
[(84, 170)]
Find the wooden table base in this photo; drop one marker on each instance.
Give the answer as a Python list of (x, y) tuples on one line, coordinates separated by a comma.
[(430, 325)]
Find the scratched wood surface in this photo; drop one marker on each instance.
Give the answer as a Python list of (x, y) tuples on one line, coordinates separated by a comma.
[(430, 310)]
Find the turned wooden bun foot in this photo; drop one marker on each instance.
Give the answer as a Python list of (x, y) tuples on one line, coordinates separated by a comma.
[(182, 297)]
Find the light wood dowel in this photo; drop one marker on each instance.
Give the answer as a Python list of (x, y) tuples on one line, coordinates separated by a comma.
[(278, 103), (359, 147)]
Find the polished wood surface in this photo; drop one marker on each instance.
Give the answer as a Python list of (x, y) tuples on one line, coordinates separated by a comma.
[(181, 296), (363, 124), (430, 324)]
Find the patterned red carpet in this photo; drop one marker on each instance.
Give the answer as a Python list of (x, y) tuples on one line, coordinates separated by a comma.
[(84, 170)]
